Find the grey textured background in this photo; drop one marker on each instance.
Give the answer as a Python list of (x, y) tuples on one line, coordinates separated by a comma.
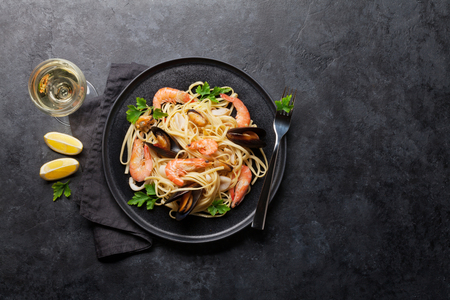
[(363, 210)]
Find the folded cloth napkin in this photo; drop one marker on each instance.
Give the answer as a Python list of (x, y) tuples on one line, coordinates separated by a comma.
[(114, 232)]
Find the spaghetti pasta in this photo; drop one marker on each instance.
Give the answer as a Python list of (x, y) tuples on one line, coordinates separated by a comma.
[(214, 167)]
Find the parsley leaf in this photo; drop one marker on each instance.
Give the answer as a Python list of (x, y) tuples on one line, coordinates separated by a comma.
[(151, 203), (217, 91), (148, 198), (141, 103), (150, 189), (212, 210), (158, 113), (206, 92), (218, 207), (203, 90), (283, 104), (59, 188), (138, 199), (133, 114)]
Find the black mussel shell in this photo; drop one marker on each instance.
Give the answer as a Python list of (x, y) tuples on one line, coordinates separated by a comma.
[(180, 215), (166, 145), (188, 200), (179, 194), (196, 117), (247, 136)]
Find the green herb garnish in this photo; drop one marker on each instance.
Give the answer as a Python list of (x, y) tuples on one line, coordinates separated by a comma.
[(149, 197), (218, 207), (141, 103), (205, 92), (283, 104), (134, 112), (158, 113), (59, 188)]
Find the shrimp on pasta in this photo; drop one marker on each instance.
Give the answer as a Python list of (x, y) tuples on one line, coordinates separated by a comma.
[(198, 151)]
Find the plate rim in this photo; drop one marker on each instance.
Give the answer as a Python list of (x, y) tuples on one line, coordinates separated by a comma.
[(279, 171)]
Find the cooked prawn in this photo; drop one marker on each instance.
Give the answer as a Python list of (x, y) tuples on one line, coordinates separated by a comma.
[(179, 167), (141, 163), (169, 95), (206, 146), (237, 194), (242, 114)]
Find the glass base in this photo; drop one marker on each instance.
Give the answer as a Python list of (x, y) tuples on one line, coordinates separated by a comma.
[(90, 93)]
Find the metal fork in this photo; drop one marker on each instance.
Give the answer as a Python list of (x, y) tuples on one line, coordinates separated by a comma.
[(281, 126)]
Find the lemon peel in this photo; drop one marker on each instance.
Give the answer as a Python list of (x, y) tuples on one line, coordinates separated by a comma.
[(58, 168), (63, 143)]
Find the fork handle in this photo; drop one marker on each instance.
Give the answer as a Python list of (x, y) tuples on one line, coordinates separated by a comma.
[(261, 209)]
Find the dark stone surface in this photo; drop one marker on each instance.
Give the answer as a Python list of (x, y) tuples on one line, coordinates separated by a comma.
[(363, 211)]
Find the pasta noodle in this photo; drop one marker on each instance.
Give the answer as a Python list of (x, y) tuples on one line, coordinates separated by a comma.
[(214, 180)]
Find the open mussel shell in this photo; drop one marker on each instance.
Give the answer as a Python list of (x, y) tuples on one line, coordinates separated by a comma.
[(250, 137), (144, 123), (188, 200), (196, 117), (165, 145)]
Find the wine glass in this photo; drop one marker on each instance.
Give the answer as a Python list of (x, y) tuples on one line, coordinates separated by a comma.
[(58, 88)]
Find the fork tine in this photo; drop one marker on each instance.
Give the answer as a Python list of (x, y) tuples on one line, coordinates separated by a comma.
[(281, 126), (292, 101), (286, 89), (285, 92)]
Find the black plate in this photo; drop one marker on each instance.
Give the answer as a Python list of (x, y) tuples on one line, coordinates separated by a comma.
[(179, 74)]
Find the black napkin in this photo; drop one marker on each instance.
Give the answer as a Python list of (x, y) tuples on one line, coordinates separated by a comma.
[(114, 232)]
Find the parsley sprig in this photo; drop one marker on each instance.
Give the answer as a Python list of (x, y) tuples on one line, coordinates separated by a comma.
[(134, 112), (206, 92), (149, 197), (283, 104), (158, 113), (218, 207), (59, 188)]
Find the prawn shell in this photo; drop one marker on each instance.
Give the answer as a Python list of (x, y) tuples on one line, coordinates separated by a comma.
[(174, 145), (239, 136)]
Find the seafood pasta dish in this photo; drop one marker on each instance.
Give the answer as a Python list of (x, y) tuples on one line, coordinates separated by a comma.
[(196, 152)]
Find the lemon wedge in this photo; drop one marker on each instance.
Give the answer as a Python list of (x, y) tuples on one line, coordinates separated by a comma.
[(63, 143), (59, 168)]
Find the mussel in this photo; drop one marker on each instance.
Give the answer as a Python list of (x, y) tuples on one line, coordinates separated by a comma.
[(165, 145), (188, 200), (196, 117), (144, 123), (247, 136)]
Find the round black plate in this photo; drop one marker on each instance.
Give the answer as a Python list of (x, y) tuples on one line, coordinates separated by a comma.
[(179, 74)]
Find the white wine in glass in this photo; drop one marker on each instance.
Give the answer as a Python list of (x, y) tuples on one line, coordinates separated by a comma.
[(58, 87)]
